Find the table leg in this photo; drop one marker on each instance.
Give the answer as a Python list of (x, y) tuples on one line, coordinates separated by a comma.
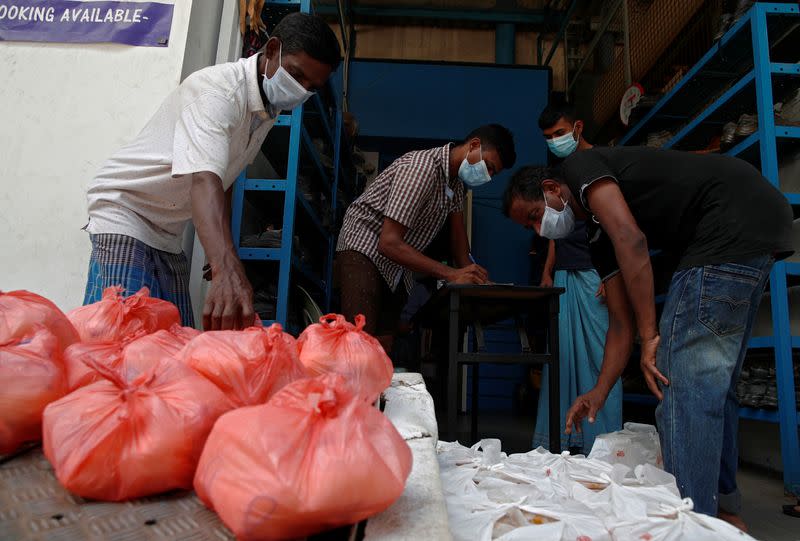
[(473, 425), (554, 379), (479, 346), (452, 368)]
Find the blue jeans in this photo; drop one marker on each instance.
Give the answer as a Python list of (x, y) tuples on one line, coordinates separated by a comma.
[(706, 324)]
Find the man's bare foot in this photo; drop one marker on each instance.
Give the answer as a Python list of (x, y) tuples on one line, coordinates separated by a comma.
[(733, 519)]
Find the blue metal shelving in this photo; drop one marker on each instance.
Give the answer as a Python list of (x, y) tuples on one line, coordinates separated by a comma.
[(743, 55), (301, 150)]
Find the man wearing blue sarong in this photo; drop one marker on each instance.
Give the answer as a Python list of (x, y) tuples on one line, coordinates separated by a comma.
[(583, 317)]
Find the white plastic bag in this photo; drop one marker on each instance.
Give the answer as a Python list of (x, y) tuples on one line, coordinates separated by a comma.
[(486, 452), (565, 468), (633, 445), (543, 496), (647, 475), (459, 466), (549, 531), (679, 523), (503, 491), (619, 504), (580, 522), (543, 521), (468, 524), (516, 519)]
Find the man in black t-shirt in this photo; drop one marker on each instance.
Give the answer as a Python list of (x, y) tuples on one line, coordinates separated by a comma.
[(726, 224)]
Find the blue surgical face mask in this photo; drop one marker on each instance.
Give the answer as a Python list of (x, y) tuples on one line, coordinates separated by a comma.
[(563, 145), (557, 224), (474, 174)]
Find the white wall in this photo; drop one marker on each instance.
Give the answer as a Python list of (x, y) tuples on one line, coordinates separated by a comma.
[(202, 40), (64, 109), (201, 51)]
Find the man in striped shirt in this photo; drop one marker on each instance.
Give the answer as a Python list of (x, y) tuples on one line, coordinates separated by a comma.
[(388, 227)]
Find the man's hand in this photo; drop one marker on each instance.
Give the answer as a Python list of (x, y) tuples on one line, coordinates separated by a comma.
[(229, 302), (547, 280), (471, 274), (648, 364), (586, 405)]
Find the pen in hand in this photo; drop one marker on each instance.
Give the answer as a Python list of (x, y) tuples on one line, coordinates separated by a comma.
[(472, 259)]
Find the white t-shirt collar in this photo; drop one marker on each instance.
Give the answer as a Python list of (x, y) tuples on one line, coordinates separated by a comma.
[(255, 103)]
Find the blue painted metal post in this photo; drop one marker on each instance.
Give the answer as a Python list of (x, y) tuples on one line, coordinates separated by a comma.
[(787, 411), (504, 45), (711, 108), (237, 202), (284, 255), (337, 149), (289, 206)]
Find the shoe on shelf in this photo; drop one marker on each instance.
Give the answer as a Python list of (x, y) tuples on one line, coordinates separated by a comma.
[(728, 137), (747, 125), (658, 139), (759, 372), (788, 112), (750, 401), (724, 24), (770, 399), (741, 8), (271, 238)]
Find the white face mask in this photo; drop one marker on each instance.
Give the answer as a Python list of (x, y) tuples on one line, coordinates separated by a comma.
[(564, 145), (283, 92), (557, 224), (474, 174)]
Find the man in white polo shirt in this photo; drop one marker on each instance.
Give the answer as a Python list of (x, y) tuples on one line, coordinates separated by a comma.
[(181, 165)]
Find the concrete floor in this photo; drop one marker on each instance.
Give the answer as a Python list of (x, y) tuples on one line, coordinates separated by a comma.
[(762, 491), (762, 499)]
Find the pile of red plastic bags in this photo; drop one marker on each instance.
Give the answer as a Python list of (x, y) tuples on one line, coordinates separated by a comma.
[(279, 436)]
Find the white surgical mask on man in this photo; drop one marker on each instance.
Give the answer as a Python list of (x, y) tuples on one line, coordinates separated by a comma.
[(557, 224), (563, 145), (283, 92), (474, 174)]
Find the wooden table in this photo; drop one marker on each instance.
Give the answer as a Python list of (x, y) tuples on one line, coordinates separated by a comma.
[(462, 306)]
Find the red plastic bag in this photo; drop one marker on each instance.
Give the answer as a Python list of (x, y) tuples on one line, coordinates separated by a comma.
[(334, 345), (249, 366), (115, 317), (79, 359), (31, 376), (21, 312), (314, 457), (109, 354), (138, 432)]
